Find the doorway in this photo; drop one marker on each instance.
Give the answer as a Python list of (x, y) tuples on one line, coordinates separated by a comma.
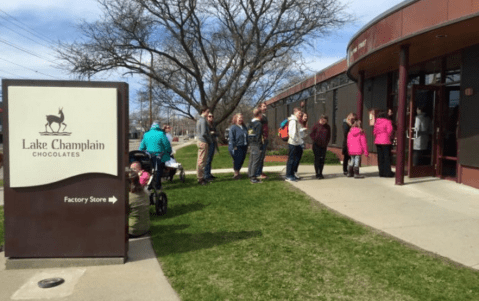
[(432, 131), (423, 131), (447, 153)]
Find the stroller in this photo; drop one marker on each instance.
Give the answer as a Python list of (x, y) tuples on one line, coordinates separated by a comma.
[(157, 196), (171, 167)]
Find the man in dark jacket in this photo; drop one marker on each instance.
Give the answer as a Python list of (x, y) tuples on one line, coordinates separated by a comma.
[(320, 134), (255, 141)]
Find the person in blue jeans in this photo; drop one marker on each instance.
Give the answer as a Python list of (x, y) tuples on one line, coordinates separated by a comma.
[(238, 143), (211, 147), (295, 143)]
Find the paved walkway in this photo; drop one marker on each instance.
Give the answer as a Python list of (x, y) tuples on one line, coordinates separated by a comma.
[(435, 215)]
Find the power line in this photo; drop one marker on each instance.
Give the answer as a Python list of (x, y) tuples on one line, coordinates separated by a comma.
[(39, 43), (33, 32), (28, 68), (12, 74), (26, 51)]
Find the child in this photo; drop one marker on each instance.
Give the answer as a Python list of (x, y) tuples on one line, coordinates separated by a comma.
[(144, 175), (357, 146), (138, 207)]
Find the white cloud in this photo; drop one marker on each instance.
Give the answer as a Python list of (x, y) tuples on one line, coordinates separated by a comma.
[(317, 64)]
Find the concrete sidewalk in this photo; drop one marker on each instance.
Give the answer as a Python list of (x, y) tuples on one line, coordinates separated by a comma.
[(140, 278), (436, 215)]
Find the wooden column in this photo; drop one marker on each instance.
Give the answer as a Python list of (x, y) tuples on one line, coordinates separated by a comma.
[(360, 96), (402, 97)]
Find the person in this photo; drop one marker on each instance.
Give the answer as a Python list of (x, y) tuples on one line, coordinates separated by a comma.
[(357, 146), (320, 136), (255, 142), (421, 148), (238, 143), (167, 130), (155, 142), (211, 147), (383, 133), (264, 121), (138, 207), (295, 143), (143, 175), (304, 120), (347, 122), (204, 140)]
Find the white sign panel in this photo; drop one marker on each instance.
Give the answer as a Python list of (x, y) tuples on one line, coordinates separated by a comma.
[(59, 132)]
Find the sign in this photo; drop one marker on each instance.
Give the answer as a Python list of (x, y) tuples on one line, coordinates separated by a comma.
[(53, 127), (66, 150)]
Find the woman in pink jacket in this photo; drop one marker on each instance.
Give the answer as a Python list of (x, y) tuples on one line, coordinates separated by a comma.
[(383, 132), (357, 146)]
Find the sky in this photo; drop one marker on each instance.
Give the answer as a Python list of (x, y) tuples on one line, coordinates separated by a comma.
[(29, 30)]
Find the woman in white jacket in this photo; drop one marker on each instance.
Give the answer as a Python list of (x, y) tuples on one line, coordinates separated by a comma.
[(295, 143)]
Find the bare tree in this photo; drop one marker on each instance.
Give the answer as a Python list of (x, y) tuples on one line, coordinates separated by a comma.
[(203, 52)]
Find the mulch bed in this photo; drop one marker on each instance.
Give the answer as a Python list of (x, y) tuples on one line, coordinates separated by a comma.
[(276, 158)]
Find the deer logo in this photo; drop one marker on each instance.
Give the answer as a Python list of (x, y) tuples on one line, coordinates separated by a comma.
[(55, 119)]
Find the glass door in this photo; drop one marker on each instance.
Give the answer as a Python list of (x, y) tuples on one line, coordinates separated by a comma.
[(447, 139), (423, 131)]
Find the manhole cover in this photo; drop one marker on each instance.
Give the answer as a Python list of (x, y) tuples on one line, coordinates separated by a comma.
[(50, 282)]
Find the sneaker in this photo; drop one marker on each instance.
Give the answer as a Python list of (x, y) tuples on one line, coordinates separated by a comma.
[(319, 177), (263, 176), (202, 182), (296, 176), (255, 181), (237, 177), (289, 179), (212, 177)]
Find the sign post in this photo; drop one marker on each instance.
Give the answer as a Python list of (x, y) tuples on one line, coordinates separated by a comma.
[(66, 151)]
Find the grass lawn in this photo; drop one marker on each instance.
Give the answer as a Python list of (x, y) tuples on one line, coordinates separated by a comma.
[(188, 155), (232, 240)]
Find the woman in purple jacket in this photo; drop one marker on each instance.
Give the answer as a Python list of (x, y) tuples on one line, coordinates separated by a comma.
[(383, 132)]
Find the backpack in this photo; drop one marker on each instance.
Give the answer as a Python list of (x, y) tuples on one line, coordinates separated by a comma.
[(283, 130)]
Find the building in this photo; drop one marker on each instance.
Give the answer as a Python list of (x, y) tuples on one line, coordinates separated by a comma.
[(419, 54)]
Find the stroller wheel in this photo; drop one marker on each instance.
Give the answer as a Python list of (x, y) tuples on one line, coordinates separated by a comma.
[(182, 175), (161, 202)]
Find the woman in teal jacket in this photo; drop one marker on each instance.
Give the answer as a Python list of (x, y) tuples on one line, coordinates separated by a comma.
[(156, 143)]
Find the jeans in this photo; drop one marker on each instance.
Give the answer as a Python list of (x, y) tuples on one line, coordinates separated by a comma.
[(159, 167), (209, 159), (294, 156), (254, 160), (384, 159), (259, 171), (238, 156), (319, 158), (354, 161)]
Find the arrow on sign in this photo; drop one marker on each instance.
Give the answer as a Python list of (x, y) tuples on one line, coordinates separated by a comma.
[(112, 200)]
